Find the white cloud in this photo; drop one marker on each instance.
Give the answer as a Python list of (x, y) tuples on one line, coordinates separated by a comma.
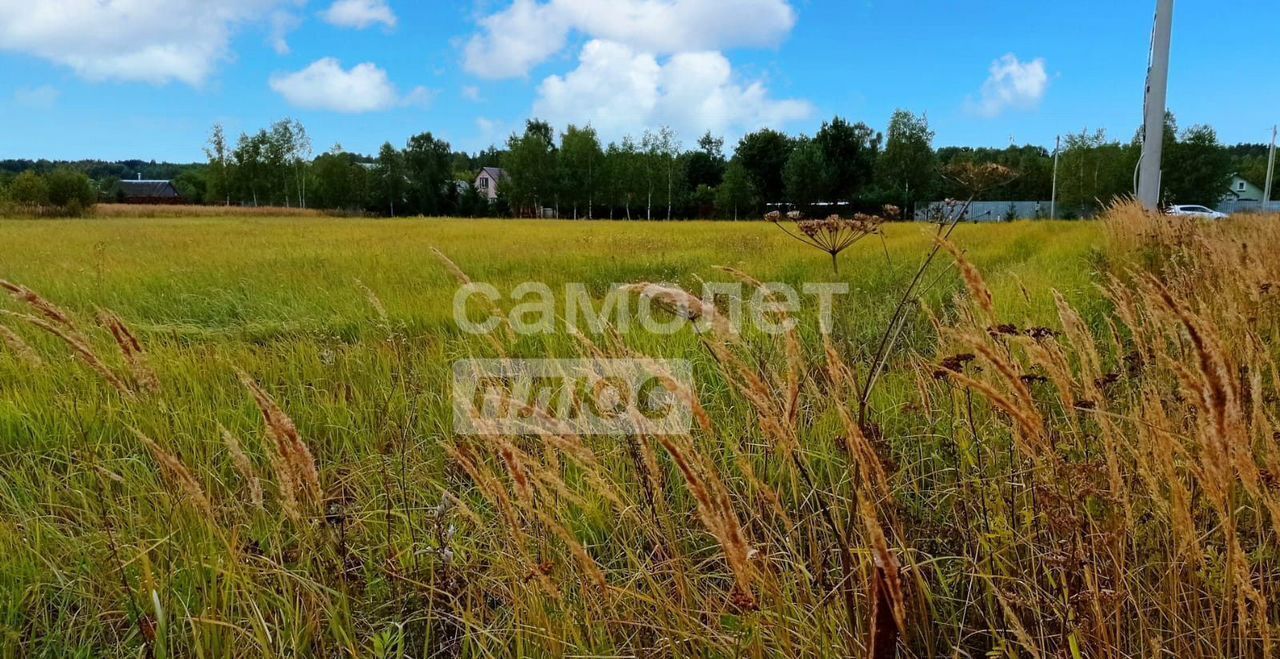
[(37, 98), (516, 40), (471, 93), (282, 23), (618, 89), (529, 32), (325, 85), (156, 41), (359, 14), (419, 97), (1011, 85), (645, 63)]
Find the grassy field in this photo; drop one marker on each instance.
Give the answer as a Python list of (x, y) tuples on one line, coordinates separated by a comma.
[(253, 274), (279, 297), (133, 524)]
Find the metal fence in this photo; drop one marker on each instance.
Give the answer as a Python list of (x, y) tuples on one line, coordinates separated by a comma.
[(990, 211), (1233, 207)]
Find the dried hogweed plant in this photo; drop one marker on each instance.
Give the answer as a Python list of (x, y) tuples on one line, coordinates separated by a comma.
[(973, 178), (977, 178), (832, 235)]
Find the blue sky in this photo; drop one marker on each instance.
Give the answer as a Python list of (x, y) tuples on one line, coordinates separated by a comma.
[(119, 79)]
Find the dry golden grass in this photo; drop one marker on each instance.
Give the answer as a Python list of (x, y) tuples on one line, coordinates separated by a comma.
[(244, 467), (294, 464), (19, 347), (1068, 521), (1143, 448), (178, 476), (1108, 486)]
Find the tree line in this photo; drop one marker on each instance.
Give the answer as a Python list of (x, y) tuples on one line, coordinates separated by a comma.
[(844, 166), (62, 191)]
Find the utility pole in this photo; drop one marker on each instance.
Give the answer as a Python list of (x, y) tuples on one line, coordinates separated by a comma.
[(1157, 98), (1271, 171), (1053, 202)]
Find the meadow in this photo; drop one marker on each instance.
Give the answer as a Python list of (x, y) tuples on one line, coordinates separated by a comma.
[(231, 436)]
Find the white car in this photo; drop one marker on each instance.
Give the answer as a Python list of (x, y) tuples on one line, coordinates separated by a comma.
[(1196, 211)]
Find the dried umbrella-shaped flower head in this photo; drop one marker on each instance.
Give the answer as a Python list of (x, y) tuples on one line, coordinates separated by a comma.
[(977, 178), (974, 179), (832, 235)]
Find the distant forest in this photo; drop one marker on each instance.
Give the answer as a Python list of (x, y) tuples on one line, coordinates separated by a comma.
[(846, 166)]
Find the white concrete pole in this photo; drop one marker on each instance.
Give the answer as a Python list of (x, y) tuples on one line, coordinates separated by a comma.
[(1271, 170), (1053, 202), (1157, 98)]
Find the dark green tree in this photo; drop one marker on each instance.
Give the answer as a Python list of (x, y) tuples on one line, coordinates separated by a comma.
[(764, 154), (624, 176), (581, 160), (193, 185), (390, 181), (531, 165), (706, 164), (1093, 171), (1034, 165), (338, 181), (70, 190), (29, 189), (806, 175), (1197, 169), (702, 202), (428, 164), (849, 153), (471, 203), (736, 193)]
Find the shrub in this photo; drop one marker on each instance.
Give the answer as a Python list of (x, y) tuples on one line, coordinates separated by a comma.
[(68, 188), (29, 189)]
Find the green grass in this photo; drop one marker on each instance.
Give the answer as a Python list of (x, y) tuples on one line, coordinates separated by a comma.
[(282, 300), (278, 277)]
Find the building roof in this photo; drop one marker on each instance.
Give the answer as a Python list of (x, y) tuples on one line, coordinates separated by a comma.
[(1241, 177), (495, 173), (149, 189)]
